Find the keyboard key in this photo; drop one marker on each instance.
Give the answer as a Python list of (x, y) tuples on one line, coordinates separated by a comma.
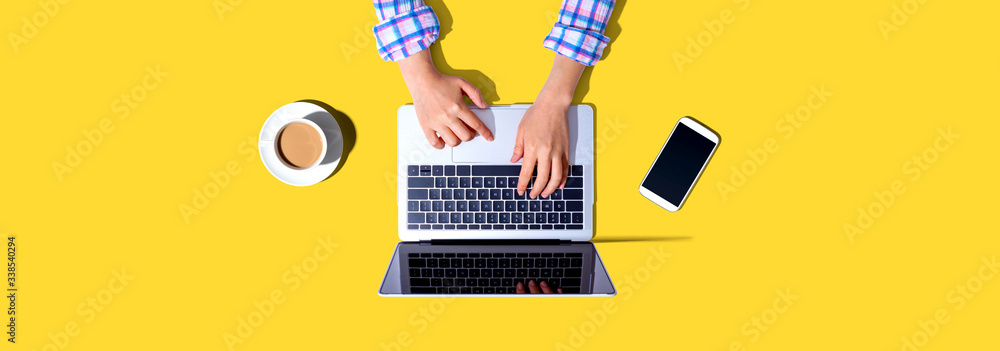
[(431, 218), (480, 217), (416, 194), (564, 217), (574, 205), (497, 206), (578, 217), (489, 182), (574, 226), (576, 262), (573, 194), (495, 194), (485, 206), (508, 194), (446, 194), (470, 194), (484, 194), (559, 206), (540, 217), (510, 206), (412, 226), (515, 218), (438, 171), (573, 272), (512, 182), (419, 182), (474, 206), (415, 218), (412, 171), (501, 182), (418, 262), (455, 218), (435, 194), (574, 182), (491, 217), (546, 206), (477, 182), (576, 171), (452, 182), (535, 206), (449, 206), (449, 171), (461, 206), (556, 195), (512, 170), (425, 170), (505, 218), (437, 206), (467, 217), (553, 218), (458, 194), (441, 182), (425, 226), (422, 290), (443, 218), (413, 206), (462, 170), (465, 182)]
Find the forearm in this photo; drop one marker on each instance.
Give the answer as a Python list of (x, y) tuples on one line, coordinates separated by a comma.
[(417, 67), (561, 84)]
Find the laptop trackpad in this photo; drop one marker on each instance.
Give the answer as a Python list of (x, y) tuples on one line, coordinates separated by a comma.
[(497, 151)]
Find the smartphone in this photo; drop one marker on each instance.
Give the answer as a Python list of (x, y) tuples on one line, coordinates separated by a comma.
[(679, 164)]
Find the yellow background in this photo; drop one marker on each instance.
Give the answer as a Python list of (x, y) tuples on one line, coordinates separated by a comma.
[(781, 230)]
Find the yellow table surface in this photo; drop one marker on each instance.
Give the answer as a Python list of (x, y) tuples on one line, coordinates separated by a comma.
[(851, 204)]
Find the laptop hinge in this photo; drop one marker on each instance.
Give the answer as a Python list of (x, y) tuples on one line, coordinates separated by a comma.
[(494, 242)]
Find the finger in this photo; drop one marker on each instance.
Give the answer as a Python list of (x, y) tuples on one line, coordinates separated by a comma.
[(559, 290), (473, 94), (433, 139), (526, 168), (556, 178), (545, 288), (533, 287), (565, 175), (473, 122), (461, 131), (544, 165), (520, 288), (448, 136), (518, 146)]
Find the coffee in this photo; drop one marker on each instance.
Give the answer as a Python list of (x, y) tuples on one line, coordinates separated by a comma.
[(299, 144)]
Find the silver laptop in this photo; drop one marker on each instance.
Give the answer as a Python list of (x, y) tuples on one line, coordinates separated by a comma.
[(466, 231)]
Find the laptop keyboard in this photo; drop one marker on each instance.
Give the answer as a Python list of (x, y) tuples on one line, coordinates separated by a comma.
[(484, 197), (492, 273)]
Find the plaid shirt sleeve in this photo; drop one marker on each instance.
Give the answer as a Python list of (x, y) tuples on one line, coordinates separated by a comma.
[(405, 27), (579, 34)]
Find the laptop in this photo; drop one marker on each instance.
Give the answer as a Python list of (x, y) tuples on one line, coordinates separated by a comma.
[(464, 230)]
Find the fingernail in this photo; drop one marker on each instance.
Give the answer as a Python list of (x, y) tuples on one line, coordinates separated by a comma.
[(544, 284), (519, 193), (531, 283), (520, 286)]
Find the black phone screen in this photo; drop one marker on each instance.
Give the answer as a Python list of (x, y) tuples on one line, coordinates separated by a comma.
[(678, 165)]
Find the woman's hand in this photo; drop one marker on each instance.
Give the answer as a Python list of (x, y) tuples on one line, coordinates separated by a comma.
[(438, 100)]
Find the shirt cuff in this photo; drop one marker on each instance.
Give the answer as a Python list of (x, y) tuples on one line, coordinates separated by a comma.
[(405, 34), (579, 34)]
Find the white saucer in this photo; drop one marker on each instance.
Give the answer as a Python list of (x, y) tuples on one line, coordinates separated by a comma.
[(312, 112)]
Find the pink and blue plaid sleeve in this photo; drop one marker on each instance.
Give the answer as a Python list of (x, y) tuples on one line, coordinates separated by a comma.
[(405, 27), (579, 34)]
